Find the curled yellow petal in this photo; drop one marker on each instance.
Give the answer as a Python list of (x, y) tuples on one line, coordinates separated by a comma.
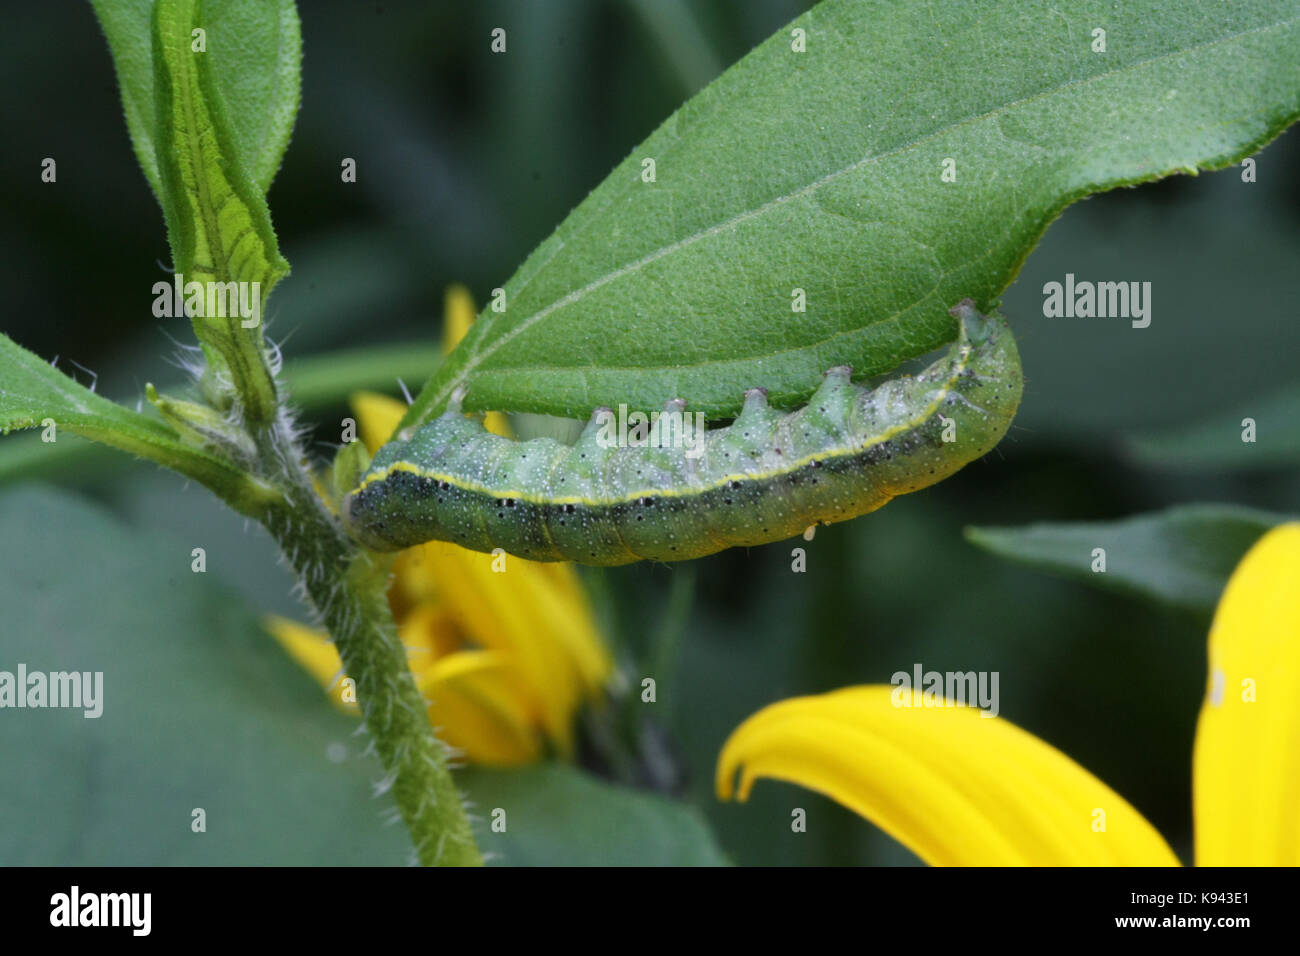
[(953, 786), (478, 706), (314, 652), (1246, 779)]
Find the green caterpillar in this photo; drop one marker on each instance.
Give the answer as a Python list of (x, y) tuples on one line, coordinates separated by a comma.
[(766, 477)]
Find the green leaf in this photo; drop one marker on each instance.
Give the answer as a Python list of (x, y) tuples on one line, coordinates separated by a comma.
[(218, 223), (126, 27), (1216, 442), (822, 171), (557, 815), (256, 50), (33, 393), (243, 732), (201, 709), (1180, 557), (317, 383)]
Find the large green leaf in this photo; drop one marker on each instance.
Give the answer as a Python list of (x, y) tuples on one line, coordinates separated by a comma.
[(201, 709), (822, 171), (558, 815), (1180, 557), (33, 392), (1216, 442), (256, 49)]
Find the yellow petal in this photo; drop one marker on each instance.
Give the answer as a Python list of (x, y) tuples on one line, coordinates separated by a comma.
[(954, 787), (377, 417), (457, 316), (478, 701), (1246, 779), (498, 424), (314, 652), (539, 617), (489, 608), (429, 633), (563, 616), (323, 493), (477, 706)]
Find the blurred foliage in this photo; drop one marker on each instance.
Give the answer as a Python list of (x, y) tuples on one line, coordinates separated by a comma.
[(1217, 442), (1182, 556), (466, 162), (202, 710)]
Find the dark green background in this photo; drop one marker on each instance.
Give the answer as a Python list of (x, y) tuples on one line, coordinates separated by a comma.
[(466, 161)]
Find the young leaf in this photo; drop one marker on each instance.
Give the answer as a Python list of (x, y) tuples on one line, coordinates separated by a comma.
[(33, 394), (887, 159), (256, 50), (126, 26), (1180, 557), (218, 223)]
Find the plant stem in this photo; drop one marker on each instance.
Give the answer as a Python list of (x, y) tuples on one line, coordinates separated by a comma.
[(347, 587)]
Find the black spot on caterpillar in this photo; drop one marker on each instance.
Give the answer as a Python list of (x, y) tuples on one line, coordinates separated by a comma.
[(766, 477)]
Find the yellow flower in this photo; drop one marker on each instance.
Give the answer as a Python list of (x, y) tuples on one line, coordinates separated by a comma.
[(958, 788), (506, 658)]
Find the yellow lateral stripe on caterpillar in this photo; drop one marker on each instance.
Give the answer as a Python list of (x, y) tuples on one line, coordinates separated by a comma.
[(536, 498)]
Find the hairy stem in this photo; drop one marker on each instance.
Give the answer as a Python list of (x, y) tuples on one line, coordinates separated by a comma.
[(347, 588)]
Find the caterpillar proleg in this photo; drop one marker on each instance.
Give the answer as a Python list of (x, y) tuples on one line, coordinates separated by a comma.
[(767, 476)]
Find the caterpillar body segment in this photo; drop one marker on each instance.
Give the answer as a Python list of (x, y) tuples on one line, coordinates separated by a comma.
[(767, 476)]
